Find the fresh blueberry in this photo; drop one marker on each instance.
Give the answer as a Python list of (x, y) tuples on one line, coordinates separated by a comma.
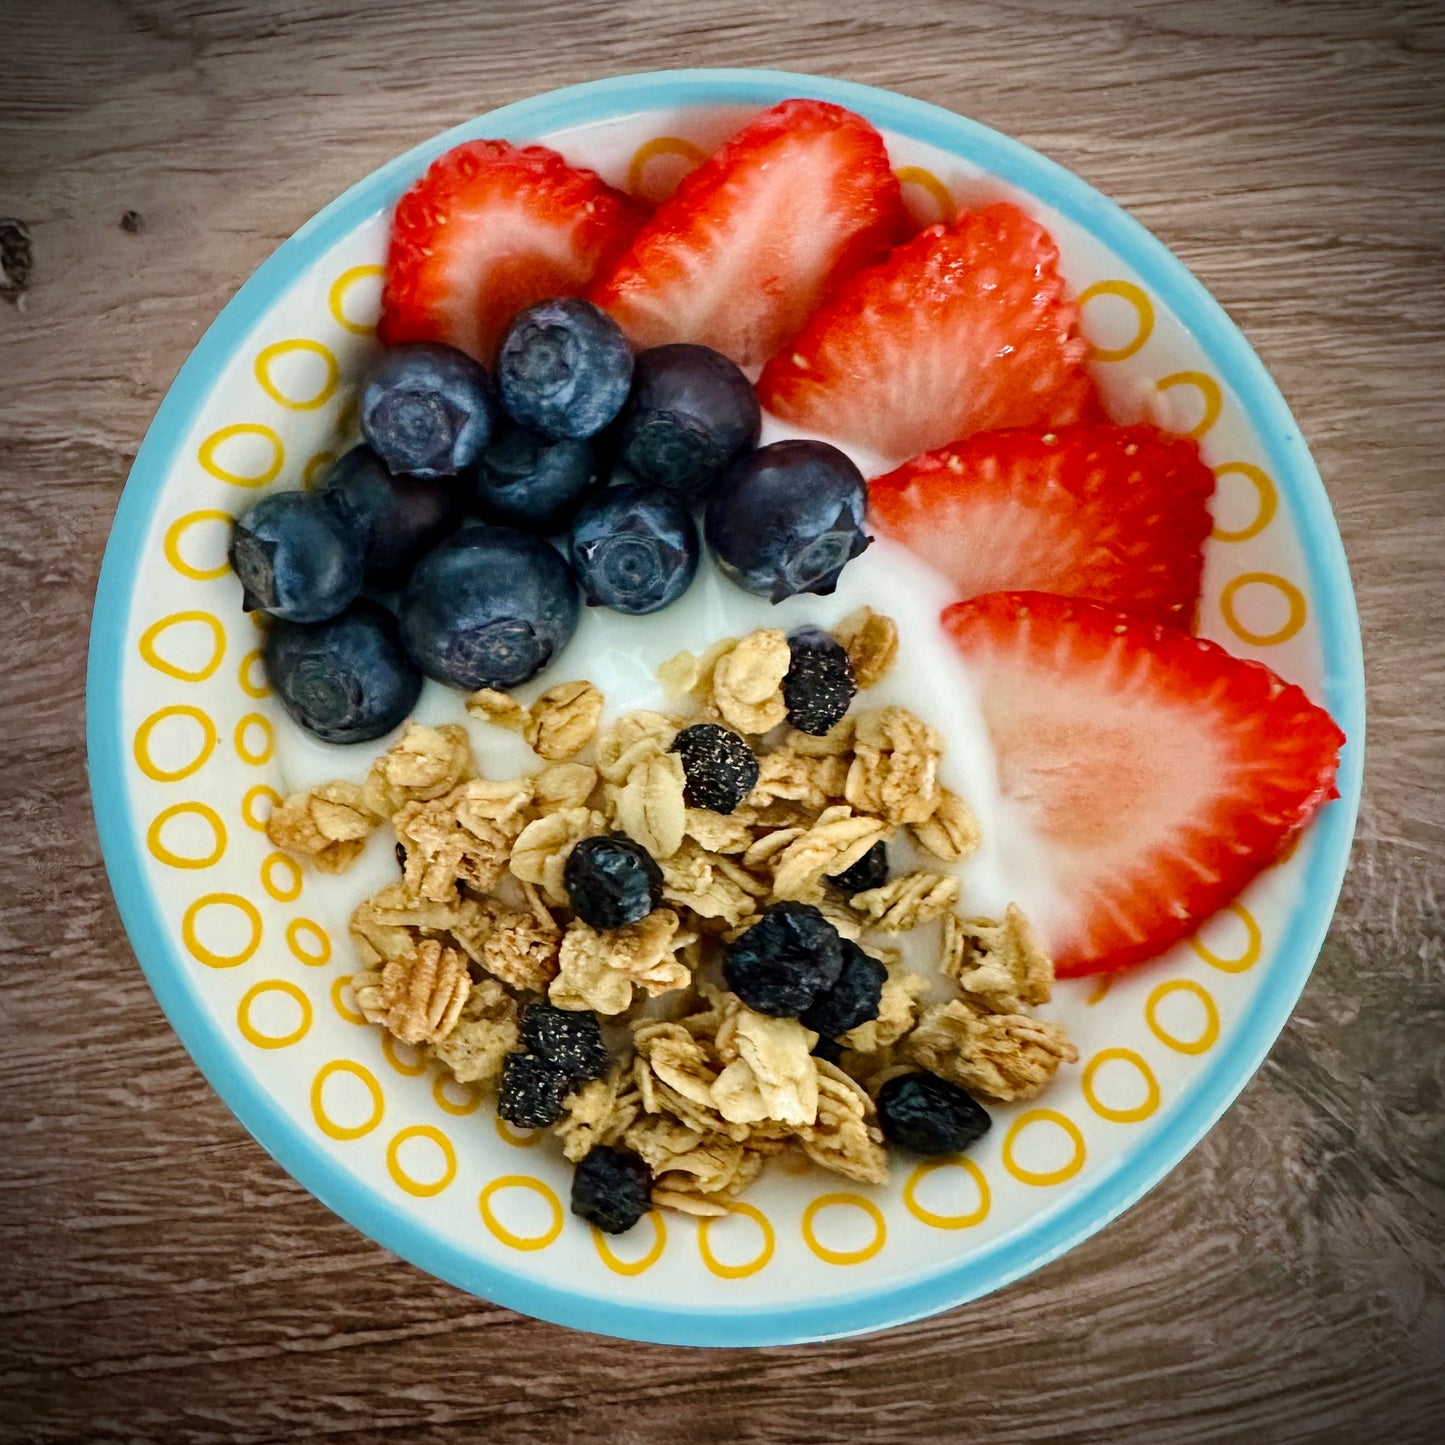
[(691, 413), (634, 548), (528, 480), (870, 871), (568, 1040), (489, 607), (787, 518), (531, 1092), (611, 1188), (719, 767), (853, 1000), (565, 368), (611, 881), (398, 518), (348, 679), (819, 684), (428, 409), (786, 961), (929, 1115), (295, 559)]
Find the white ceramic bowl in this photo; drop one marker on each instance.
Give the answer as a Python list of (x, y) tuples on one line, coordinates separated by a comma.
[(248, 956)]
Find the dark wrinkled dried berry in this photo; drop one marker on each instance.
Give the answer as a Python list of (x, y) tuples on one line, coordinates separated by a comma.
[(719, 766), (401, 857), (531, 1092), (612, 1189), (929, 1115), (568, 1041), (853, 1000), (870, 871), (612, 881), (819, 685), (785, 961)]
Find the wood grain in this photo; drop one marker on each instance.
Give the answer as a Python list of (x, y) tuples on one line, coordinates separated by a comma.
[(162, 1279)]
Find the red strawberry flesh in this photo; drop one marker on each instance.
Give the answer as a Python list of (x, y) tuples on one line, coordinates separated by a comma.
[(1156, 773), (1116, 514), (491, 228), (752, 239), (964, 328)]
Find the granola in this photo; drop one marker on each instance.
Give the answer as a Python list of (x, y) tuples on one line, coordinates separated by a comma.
[(328, 825), (419, 996), (871, 641), (1001, 1056), (563, 720), (894, 773)]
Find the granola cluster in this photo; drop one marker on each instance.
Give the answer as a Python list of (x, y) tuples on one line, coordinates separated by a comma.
[(702, 1088)]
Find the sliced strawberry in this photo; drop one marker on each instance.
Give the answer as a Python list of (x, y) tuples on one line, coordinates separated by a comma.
[(1154, 773), (1115, 513), (962, 329), (749, 242), (490, 228)]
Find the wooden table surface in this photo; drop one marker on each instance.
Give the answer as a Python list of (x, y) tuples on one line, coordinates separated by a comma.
[(163, 1279)]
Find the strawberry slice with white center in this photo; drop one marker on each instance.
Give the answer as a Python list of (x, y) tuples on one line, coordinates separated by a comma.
[(752, 239), (491, 228), (1118, 514), (1154, 773), (964, 328)]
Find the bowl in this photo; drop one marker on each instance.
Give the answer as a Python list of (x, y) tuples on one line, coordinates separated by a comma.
[(249, 957)]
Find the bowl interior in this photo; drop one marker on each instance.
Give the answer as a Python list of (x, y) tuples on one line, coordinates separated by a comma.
[(250, 957)]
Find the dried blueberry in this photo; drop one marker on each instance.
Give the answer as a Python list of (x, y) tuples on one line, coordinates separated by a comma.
[(870, 871), (719, 766), (531, 1092), (819, 684), (570, 1041), (853, 1000), (929, 1115), (612, 881), (612, 1189), (786, 961)]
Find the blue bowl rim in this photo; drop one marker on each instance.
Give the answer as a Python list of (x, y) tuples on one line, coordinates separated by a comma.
[(1009, 1257)]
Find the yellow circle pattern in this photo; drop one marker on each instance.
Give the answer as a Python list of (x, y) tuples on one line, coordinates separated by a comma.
[(1132, 1115), (1254, 944), (421, 1189), (331, 1129), (413, 1070), (254, 722), (966, 1220), (171, 545), (309, 942), (252, 1034), (1210, 1033), (1046, 1176), (1209, 392), (212, 444), (199, 951), (288, 890), (447, 1105), (155, 840), (663, 145), (315, 469), (269, 355), (1293, 597), (200, 673), (351, 1015), (752, 1266), (518, 1139), (1143, 310), (633, 1266), (501, 1232), (1268, 500), (844, 1256), (934, 188), (261, 792), (142, 744), (250, 664), (336, 297)]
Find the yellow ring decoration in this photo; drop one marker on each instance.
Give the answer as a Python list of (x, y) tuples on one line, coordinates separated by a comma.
[(255, 720), (338, 1003), (1121, 1116), (359, 1071), (1207, 388), (844, 1256), (1205, 1041), (439, 1095), (1143, 308), (249, 663), (737, 1271), (1268, 500), (207, 454), (1291, 594), (277, 349), (141, 746), (925, 180), (269, 864), (499, 1231), (336, 296), (664, 145), (199, 951), (248, 805), (176, 619), (171, 859), (509, 1135), (252, 1034), (171, 546), (294, 931), (1252, 947), (947, 1221), (1049, 1176), (404, 1180), (1100, 991), (314, 469), (388, 1051), (634, 1266)]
